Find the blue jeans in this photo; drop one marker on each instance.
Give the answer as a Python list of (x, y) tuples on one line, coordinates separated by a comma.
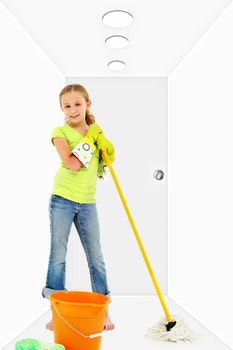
[(63, 212)]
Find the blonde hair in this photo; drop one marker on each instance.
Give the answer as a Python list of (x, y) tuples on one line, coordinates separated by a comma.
[(90, 118)]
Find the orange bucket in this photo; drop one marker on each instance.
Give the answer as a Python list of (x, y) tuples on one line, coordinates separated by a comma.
[(78, 319)]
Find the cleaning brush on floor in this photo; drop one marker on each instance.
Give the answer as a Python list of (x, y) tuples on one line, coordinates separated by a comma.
[(172, 328), (34, 344)]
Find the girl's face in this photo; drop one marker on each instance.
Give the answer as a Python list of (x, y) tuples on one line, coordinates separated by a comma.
[(74, 106)]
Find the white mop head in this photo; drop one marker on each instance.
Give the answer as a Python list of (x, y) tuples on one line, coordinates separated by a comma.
[(179, 333)]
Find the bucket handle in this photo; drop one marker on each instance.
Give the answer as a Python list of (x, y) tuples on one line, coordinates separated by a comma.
[(74, 329)]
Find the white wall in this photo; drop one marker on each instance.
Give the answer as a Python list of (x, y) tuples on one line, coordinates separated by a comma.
[(133, 114), (29, 88), (200, 180)]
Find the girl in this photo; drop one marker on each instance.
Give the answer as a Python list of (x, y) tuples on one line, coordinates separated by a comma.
[(78, 144)]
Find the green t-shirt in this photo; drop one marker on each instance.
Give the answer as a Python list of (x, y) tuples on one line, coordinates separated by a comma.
[(79, 186)]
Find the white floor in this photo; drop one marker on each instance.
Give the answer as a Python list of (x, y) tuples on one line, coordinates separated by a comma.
[(132, 316)]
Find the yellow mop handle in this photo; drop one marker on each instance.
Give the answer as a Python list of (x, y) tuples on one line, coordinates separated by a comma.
[(106, 158)]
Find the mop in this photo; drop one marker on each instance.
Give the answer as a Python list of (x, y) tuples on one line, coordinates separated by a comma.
[(171, 328)]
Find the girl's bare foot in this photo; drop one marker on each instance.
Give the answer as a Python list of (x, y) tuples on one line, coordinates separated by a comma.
[(108, 325), (50, 325)]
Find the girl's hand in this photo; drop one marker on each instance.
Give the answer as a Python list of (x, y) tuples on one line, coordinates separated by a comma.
[(85, 149)]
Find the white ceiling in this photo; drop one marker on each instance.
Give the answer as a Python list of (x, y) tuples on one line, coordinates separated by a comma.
[(72, 34)]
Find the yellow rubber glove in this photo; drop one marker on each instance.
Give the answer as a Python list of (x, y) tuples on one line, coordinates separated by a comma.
[(104, 144), (93, 132)]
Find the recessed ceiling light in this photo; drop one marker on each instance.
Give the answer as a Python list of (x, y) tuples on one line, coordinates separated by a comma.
[(116, 65), (117, 41), (117, 18)]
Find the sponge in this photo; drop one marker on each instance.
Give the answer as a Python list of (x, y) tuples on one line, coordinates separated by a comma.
[(34, 344)]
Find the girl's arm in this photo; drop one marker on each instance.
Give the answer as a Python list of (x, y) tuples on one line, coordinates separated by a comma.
[(64, 151)]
